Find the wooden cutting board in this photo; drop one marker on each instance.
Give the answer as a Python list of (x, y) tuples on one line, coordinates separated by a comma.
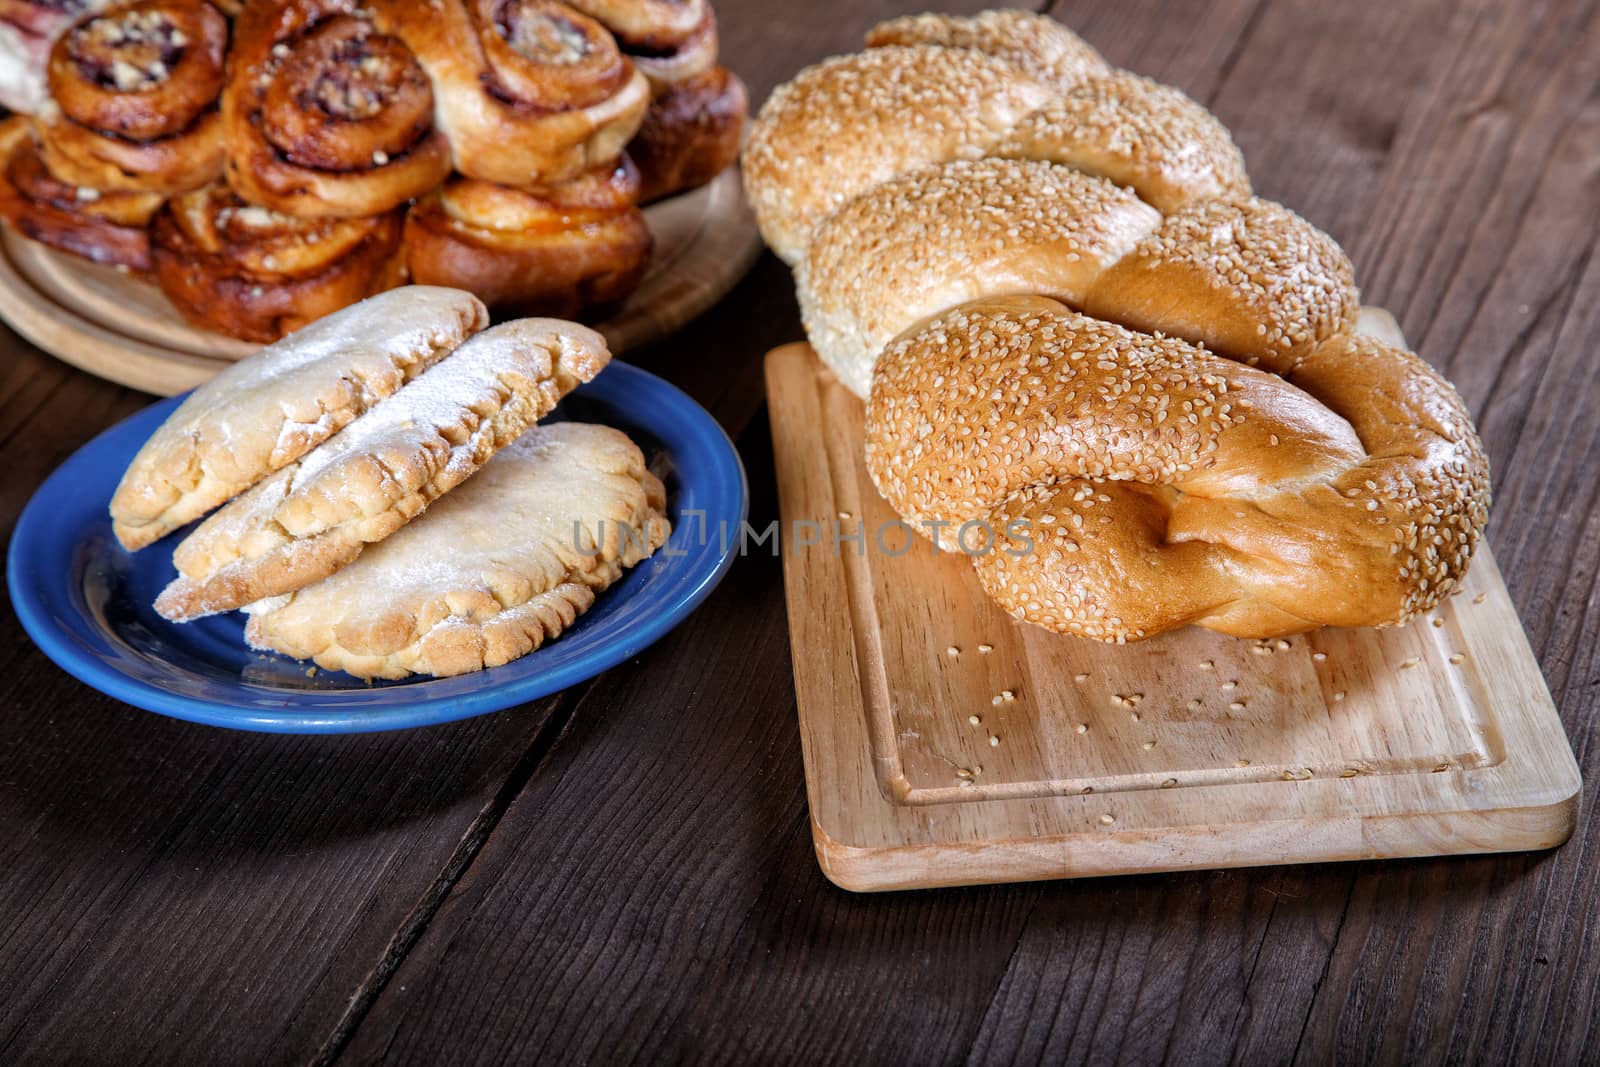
[(118, 326), (947, 744)]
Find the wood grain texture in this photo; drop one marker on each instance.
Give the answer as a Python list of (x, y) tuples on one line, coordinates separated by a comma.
[(628, 874), (946, 744)]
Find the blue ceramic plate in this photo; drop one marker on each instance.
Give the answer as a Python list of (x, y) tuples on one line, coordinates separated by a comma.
[(87, 603)]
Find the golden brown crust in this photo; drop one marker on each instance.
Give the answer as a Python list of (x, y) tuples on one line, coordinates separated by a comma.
[(690, 134), (107, 228), (328, 113), (840, 127), (665, 68), (500, 566), (1195, 489), (529, 93), (1251, 280), (1138, 133), (574, 251), (134, 94), (1035, 44), (649, 25), (669, 42), (1124, 483), (937, 237), (250, 273)]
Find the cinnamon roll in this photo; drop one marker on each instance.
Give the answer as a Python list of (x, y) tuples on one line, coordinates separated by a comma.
[(107, 227), (572, 251), (690, 134), (530, 93), (670, 41), (328, 113), (27, 30), (257, 274), (134, 92)]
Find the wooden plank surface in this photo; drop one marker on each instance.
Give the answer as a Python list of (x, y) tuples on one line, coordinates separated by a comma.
[(626, 872), (946, 744)]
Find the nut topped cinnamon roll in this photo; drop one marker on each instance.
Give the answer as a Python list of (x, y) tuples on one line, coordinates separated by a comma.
[(670, 41), (327, 114), (258, 274), (691, 133), (574, 250), (530, 93), (104, 226), (134, 92)]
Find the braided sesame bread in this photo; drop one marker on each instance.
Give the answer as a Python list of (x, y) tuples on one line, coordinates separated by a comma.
[(1133, 483), (1038, 46), (1078, 331), (840, 128)]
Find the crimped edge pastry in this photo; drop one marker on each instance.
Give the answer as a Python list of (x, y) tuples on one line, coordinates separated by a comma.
[(319, 513), (503, 564), (272, 408)]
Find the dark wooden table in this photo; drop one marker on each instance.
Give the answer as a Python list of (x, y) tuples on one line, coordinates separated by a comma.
[(624, 871)]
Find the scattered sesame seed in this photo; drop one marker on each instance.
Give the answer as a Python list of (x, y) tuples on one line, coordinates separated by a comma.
[(1083, 727), (1457, 658), (1108, 818), (975, 719), (984, 650)]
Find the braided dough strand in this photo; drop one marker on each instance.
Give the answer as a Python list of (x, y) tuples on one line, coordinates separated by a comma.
[(1133, 483)]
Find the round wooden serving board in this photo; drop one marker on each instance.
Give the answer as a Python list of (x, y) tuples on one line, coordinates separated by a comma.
[(121, 327)]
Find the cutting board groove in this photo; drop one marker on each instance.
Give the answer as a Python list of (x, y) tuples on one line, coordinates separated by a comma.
[(946, 743)]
